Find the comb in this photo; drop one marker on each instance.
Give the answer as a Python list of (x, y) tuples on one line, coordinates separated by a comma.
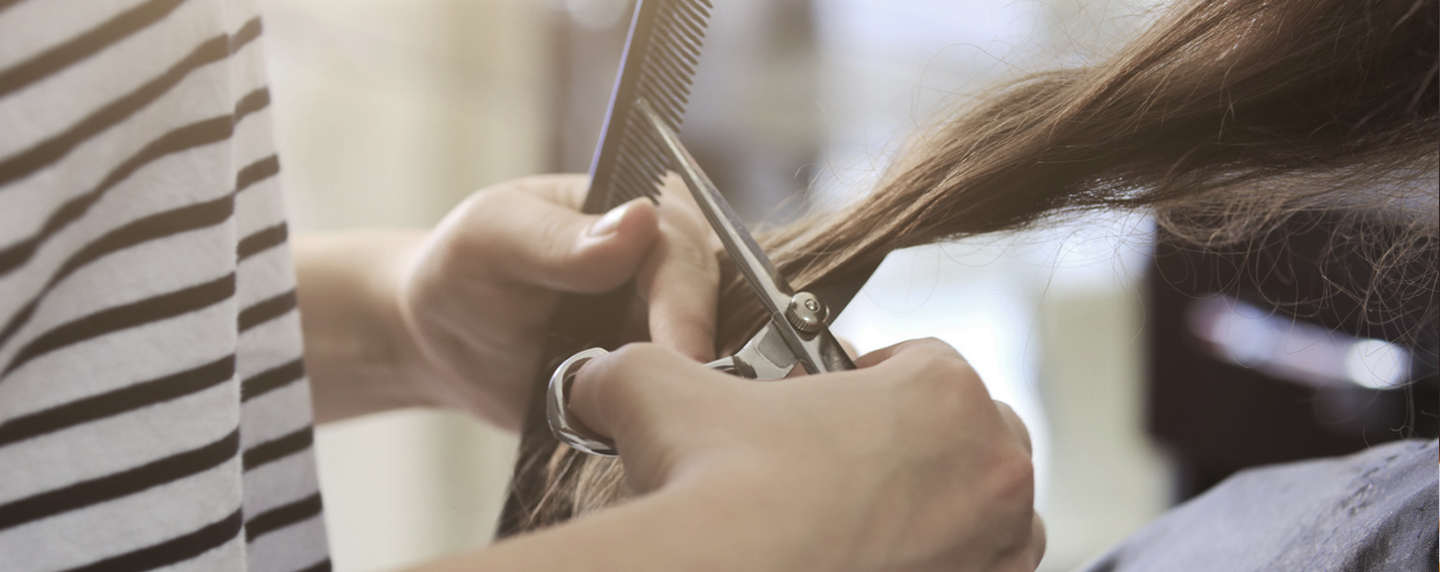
[(661, 53)]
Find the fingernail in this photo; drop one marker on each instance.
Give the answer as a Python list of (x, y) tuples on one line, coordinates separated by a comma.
[(609, 223)]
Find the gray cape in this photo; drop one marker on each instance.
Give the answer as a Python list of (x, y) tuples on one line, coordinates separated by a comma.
[(1373, 510)]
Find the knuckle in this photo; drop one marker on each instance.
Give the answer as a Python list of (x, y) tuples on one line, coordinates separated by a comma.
[(1012, 511), (621, 379), (554, 231), (943, 370), (690, 248), (691, 226), (1013, 477), (1038, 540), (563, 189), (468, 227), (602, 383), (941, 388), (485, 200), (934, 346), (1006, 412), (443, 256), (1015, 424), (633, 360), (632, 355)]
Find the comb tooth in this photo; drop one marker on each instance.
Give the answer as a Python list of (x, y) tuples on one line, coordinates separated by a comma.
[(665, 57), (664, 77), (653, 147), (611, 186), (637, 189), (645, 154), (662, 55), (633, 157), (627, 183), (655, 162), (650, 139), (683, 26), (693, 13), (669, 114), (657, 67), (667, 102), (678, 20), (634, 151), (702, 7), (687, 14), (632, 173), (641, 158), (681, 38), (630, 156), (672, 118), (690, 53), (650, 163), (682, 68), (676, 43), (635, 183), (667, 40), (613, 196), (625, 192), (679, 71), (667, 85)]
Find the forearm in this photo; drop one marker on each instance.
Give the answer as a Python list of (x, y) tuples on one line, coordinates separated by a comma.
[(357, 351), (739, 523)]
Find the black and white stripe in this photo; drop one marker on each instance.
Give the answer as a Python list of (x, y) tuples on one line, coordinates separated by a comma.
[(154, 410)]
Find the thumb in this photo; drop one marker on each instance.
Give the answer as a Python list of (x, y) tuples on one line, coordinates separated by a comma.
[(606, 251), (537, 242)]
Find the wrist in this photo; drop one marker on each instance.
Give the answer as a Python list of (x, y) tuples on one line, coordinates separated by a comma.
[(714, 522), (359, 356), (765, 516)]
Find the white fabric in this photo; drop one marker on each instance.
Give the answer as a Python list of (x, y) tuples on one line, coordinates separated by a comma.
[(153, 409)]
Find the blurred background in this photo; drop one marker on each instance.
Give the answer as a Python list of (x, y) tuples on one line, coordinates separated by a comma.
[(391, 111)]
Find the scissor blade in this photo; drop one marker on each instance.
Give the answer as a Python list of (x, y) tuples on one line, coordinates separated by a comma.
[(774, 291), (817, 350), (837, 292)]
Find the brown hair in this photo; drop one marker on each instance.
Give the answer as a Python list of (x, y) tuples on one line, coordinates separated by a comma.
[(1224, 119)]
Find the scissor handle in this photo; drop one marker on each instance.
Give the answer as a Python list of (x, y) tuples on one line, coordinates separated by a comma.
[(727, 364), (557, 408), (571, 431)]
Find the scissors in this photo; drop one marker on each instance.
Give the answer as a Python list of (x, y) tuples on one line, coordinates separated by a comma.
[(798, 332)]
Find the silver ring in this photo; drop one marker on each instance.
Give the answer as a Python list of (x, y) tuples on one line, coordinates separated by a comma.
[(557, 409)]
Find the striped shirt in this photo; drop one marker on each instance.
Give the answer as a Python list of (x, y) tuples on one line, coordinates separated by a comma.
[(154, 410)]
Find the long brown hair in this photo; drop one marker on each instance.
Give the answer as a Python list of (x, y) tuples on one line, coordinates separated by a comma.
[(1224, 119)]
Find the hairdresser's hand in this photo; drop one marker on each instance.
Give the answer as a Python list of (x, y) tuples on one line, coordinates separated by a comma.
[(903, 464), (481, 290)]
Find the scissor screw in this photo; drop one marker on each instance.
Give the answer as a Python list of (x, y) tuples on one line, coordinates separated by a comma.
[(806, 313)]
